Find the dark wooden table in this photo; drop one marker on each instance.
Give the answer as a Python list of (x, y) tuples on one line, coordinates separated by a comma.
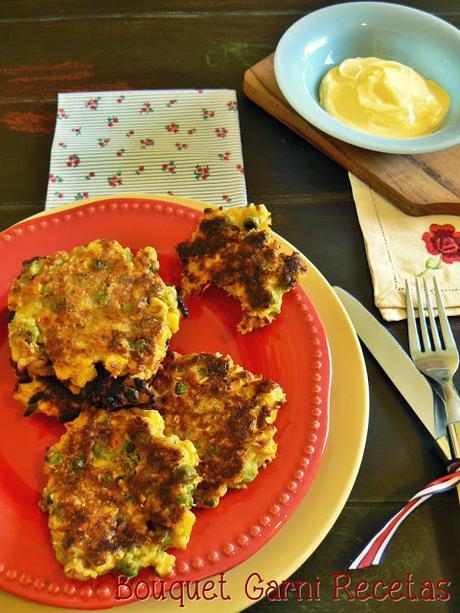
[(53, 46)]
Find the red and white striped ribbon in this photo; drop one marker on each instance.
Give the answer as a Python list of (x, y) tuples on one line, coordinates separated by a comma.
[(374, 551)]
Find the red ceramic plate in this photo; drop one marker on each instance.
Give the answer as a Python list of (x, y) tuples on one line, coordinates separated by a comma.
[(293, 351)]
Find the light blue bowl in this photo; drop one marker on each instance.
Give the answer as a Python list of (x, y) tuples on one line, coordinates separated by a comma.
[(324, 38)]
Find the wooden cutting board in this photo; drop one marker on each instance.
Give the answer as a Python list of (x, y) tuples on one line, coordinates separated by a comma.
[(422, 184)]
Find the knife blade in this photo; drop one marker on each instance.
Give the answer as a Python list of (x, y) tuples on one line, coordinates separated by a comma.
[(400, 369)]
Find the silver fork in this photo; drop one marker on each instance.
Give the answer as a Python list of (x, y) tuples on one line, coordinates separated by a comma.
[(435, 362)]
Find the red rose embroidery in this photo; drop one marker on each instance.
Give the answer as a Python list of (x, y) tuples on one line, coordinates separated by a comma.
[(444, 241)]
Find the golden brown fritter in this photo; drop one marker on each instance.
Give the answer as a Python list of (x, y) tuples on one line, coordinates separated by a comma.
[(235, 250), (50, 396), (119, 493), (96, 304), (226, 411)]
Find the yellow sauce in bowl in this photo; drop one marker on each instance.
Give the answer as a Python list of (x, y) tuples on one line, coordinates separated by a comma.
[(383, 98)]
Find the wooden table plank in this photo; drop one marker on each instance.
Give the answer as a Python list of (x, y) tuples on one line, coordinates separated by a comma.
[(47, 9)]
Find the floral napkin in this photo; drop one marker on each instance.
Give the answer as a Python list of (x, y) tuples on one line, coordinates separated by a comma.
[(177, 142), (401, 247)]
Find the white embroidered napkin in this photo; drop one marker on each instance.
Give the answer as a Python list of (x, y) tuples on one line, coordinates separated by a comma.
[(177, 142), (399, 246)]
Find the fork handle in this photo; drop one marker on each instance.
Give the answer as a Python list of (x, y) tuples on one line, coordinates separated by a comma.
[(453, 431), (453, 418)]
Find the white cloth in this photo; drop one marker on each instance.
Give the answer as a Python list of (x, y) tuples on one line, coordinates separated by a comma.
[(401, 247)]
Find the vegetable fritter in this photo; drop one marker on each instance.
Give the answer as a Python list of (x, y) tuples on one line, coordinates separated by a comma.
[(227, 412), (96, 304), (235, 250), (119, 493), (50, 396)]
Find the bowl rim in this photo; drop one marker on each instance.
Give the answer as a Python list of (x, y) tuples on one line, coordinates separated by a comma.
[(330, 125)]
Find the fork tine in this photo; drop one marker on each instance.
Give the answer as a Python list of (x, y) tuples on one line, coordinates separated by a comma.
[(414, 344), (434, 329), (448, 338), (422, 319)]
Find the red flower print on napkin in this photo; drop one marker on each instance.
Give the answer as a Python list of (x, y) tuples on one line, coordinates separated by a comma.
[(130, 133), (240, 168), (172, 127), (92, 104), (224, 156), (171, 103), (146, 142), (206, 113), (115, 180), (73, 161), (201, 172), (191, 131), (90, 175), (140, 170), (120, 153), (443, 241), (181, 146), (77, 131), (81, 196), (62, 114), (232, 105), (221, 132), (146, 108), (120, 99), (111, 121), (169, 167), (55, 178), (103, 142)]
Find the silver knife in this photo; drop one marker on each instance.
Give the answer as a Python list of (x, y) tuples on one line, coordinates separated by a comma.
[(400, 369)]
